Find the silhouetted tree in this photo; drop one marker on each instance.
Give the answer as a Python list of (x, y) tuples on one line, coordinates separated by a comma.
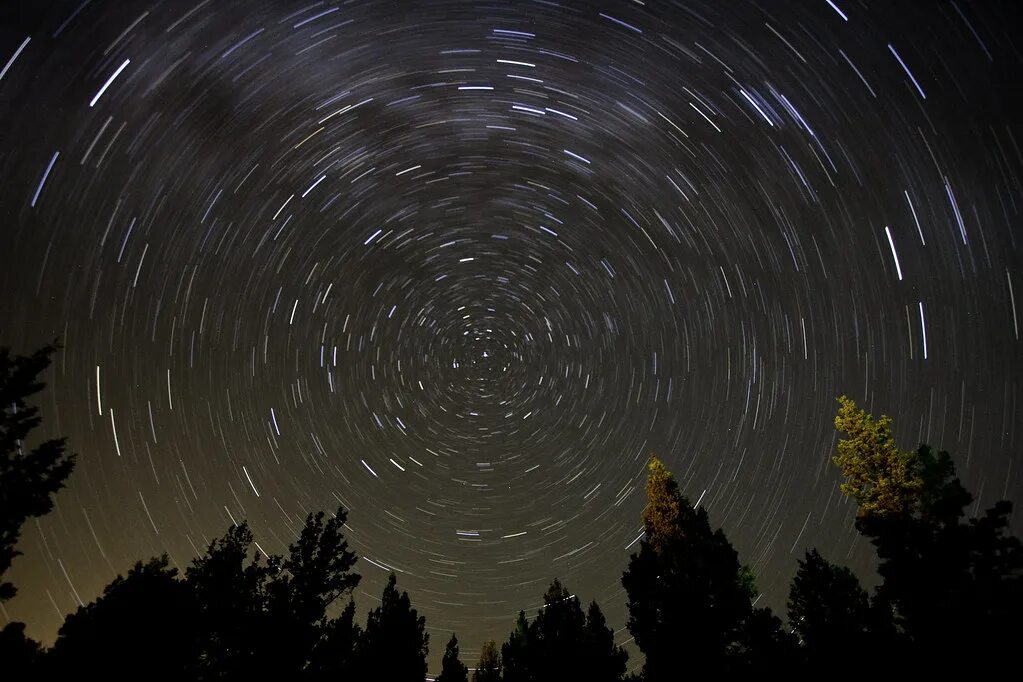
[(19, 654), (488, 668), (688, 597), (230, 584), (951, 584), (515, 653), (334, 657), (28, 478), (601, 660), (828, 611), (562, 643), (451, 668), (143, 625), (395, 643), (556, 635), (316, 572)]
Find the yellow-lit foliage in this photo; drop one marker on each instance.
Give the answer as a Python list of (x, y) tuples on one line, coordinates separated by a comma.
[(883, 479), (664, 505)]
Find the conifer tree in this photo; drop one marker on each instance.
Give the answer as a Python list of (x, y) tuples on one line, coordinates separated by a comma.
[(28, 477), (488, 668), (395, 643), (451, 668), (515, 653), (950, 583), (688, 596)]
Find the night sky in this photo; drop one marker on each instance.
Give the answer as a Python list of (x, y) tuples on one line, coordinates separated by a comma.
[(462, 266)]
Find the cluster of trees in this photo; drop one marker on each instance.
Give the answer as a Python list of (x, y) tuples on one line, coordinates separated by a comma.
[(948, 598), (561, 643)]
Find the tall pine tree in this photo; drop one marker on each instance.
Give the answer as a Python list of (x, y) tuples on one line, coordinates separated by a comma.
[(689, 600), (829, 611), (951, 583), (29, 476), (600, 659), (395, 643), (451, 668), (516, 653), (488, 668)]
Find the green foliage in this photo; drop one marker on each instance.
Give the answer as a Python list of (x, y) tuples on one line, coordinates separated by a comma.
[(949, 583), (234, 615), (316, 572), (451, 668), (28, 477), (883, 479), (764, 646), (602, 660)]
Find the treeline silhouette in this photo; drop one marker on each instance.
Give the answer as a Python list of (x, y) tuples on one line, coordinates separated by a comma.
[(948, 599)]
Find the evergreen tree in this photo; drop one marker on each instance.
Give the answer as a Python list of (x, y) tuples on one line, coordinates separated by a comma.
[(687, 594), (878, 475), (600, 660), (563, 643), (950, 584), (28, 478), (828, 611), (395, 643), (488, 668), (452, 669), (515, 653), (230, 585), (316, 572), (143, 625), (334, 656), (556, 635)]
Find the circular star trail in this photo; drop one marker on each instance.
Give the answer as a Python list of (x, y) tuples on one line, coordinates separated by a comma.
[(462, 266)]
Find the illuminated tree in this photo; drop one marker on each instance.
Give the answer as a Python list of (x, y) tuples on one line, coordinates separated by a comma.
[(688, 598), (950, 583), (881, 478), (488, 668), (143, 621)]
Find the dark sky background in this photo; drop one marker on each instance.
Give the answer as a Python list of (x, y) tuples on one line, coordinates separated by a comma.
[(461, 266)]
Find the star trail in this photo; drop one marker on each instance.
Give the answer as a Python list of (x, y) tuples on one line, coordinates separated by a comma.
[(461, 266)]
